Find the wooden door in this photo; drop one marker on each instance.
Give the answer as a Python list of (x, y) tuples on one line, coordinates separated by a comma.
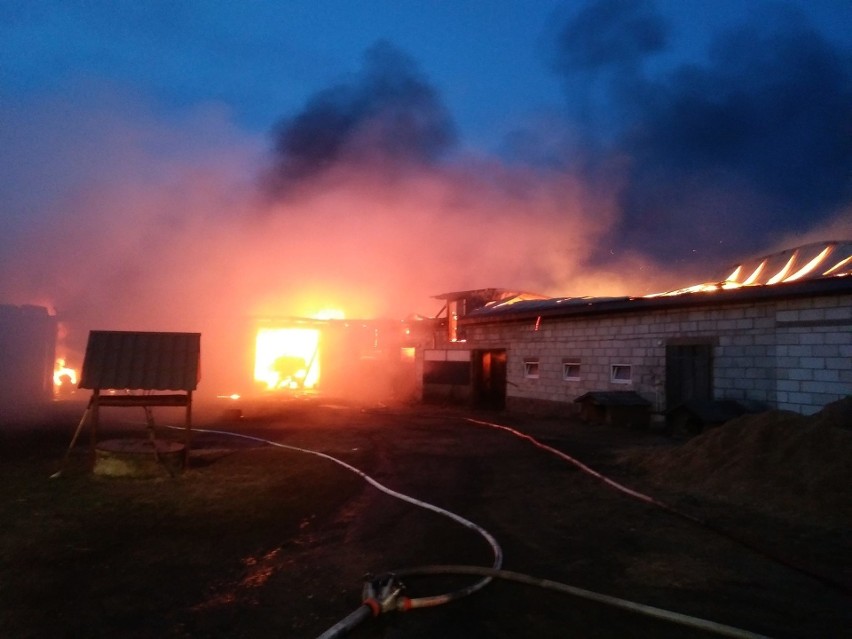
[(489, 378), (689, 373)]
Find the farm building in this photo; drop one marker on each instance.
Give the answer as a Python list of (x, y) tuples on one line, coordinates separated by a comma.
[(777, 332), (27, 354)]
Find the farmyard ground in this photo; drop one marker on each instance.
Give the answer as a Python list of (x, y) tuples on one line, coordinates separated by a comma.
[(258, 541)]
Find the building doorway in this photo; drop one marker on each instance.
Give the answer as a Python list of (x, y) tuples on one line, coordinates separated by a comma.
[(689, 373), (489, 378)]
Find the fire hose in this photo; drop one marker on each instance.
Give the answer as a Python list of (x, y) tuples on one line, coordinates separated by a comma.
[(826, 581), (386, 593)]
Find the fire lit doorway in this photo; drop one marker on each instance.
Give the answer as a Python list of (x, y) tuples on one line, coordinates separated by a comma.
[(287, 358), (489, 378)]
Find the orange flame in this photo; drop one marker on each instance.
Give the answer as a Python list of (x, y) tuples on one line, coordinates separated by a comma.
[(64, 378), (810, 266), (790, 271), (288, 357)]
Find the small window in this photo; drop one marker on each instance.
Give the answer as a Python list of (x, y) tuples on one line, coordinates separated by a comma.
[(621, 374), (571, 370), (531, 368)]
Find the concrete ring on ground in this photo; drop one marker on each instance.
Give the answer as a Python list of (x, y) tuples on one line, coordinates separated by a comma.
[(138, 458)]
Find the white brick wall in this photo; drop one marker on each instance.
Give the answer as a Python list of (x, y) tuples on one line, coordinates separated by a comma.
[(793, 354), (815, 348)]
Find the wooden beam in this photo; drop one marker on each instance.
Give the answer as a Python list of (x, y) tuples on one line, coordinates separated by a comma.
[(145, 400)]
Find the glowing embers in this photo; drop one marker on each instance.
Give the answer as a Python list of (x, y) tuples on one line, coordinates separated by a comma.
[(287, 358)]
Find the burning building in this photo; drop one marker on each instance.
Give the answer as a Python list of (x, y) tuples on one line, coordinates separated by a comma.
[(772, 331), (366, 359), (776, 331)]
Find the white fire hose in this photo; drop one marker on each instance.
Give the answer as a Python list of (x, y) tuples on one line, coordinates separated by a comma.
[(386, 593)]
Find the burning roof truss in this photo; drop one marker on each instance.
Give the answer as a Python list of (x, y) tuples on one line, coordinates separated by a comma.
[(810, 261)]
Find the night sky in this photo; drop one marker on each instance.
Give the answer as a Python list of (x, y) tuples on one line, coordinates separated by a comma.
[(164, 160)]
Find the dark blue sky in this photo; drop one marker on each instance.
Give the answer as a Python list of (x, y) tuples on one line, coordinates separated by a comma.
[(607, 146), (262, 60)]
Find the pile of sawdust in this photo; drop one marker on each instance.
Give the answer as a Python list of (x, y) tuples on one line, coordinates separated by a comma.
[(773, 461)]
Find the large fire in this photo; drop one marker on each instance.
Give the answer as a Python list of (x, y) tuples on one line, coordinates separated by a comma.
[(287, 358), (813, 260)]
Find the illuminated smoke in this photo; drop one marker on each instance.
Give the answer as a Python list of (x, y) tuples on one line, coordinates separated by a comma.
[(158, 226)]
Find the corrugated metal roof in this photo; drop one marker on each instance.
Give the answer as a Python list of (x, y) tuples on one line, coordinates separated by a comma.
[(142, 361), (807, 262), (533, 305), (817, 268), (568, 307), (488, 294)]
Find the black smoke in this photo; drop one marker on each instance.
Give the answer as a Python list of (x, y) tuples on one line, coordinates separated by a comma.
[(388, 115), (610, 33), (715, 157)]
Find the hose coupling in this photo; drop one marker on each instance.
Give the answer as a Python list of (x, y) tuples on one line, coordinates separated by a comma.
[(383, 593)]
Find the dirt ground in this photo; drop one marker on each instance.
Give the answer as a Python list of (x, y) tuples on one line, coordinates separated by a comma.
[(259, 541)]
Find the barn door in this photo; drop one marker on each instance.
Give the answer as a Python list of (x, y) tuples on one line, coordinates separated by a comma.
[(689, 373), (489, 379)]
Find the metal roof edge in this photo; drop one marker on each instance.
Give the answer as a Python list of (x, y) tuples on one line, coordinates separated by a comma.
[(596, 306)]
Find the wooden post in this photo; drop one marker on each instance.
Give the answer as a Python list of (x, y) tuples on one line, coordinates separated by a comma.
[(187, 439), (152, 436), (95, 419)]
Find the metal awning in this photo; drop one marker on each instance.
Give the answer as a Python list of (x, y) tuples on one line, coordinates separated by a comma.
[(141, 361)]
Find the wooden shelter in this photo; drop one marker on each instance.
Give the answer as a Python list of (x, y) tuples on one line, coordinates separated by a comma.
[(141, 369), (616, 408)]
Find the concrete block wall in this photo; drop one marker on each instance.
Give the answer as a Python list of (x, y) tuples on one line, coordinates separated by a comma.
[(596, 343), (813, 352), (793, 354)]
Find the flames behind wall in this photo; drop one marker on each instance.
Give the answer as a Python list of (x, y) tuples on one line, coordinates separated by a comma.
[(287, 357), (359, 359)]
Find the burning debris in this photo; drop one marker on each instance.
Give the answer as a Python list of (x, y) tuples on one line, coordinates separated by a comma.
[(346, 358), (287, 357)]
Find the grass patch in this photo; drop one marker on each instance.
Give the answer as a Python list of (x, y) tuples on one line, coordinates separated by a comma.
[(82, 555)]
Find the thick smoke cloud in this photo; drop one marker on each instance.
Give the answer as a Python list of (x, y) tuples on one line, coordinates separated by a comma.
[(388, 114), (156, 223), (715, 158), (609, 33)]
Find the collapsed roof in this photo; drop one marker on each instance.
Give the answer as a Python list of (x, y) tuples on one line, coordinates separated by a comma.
[(817, 268), (807, 262)]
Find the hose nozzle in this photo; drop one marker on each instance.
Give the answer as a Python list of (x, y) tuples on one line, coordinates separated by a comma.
[(383, 593)]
